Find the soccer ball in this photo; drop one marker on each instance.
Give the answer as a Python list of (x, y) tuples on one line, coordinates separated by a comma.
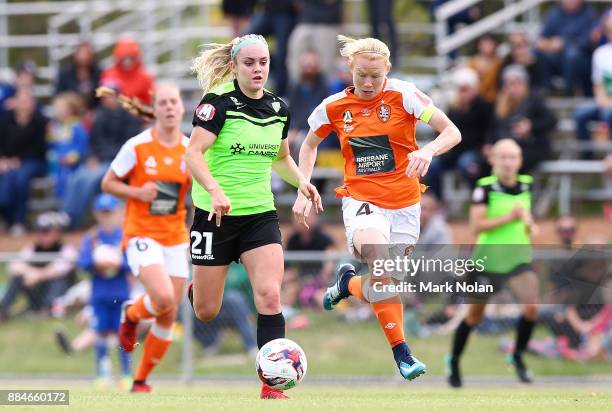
[(281, 364)]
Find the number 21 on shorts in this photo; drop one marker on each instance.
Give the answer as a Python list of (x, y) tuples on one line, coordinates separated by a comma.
[(197, 238)]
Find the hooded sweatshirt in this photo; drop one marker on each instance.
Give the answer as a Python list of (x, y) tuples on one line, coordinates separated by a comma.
[(134, 81)]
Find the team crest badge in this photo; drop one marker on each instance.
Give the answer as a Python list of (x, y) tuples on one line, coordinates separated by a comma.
[(276, 106), (384, 112), (205, 112)]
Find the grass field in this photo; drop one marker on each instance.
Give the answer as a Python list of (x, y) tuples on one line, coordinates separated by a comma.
[(409, 397), (334, 349)]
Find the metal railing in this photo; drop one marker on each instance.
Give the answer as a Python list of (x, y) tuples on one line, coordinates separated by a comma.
[(503, 20), (163, 27)]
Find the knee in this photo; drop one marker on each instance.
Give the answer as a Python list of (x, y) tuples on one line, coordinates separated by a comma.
[(572, 56), (268, 300), (473, 319), (164, 303), (206, 312), (530, 312)]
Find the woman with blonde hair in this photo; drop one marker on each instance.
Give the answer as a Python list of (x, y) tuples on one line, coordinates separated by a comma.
[(239, 136), (375, 121)]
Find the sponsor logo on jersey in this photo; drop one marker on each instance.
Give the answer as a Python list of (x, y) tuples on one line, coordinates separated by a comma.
[(237, 102), (205, 112), (384, 112), (168, 160), (373, 155), (237, 148), (366, 112), (256, 149)]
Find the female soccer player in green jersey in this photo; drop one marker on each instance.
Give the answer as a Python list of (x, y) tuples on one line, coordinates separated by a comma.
[(239, 136), (501, 216)]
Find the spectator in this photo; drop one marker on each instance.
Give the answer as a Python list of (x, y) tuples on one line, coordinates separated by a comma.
[(25, 75), (41, 281), (239, 13), (128, 72), (101, 256), (524, 117), (601, 108), (112, 127), (81, 75), (313, 238), (22, 157), (487, 64), (67, 140), (474, 118), (522, 54), (381, 13), (465, 16), (306, 94), (318, 26), (566, 231), (342, 77), (434, 228), (565, 44), (235, 312), (278, 20), (7, 89)]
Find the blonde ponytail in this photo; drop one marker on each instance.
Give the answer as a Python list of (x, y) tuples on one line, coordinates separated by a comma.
[(212, 66), (350, 47)]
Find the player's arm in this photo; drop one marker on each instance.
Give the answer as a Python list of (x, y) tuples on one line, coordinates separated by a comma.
[(61, 266), (199, 142), (448, 137), (113, 184), (479, 221), (289, 172), (307, 158), (308, 153)]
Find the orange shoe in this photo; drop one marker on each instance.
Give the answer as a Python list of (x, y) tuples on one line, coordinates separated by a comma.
[(127, 330), (268, 393), (141, 387)]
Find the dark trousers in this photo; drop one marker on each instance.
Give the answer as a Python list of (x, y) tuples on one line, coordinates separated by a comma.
[(15, 190)]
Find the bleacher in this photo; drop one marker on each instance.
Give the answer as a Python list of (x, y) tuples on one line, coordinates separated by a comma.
[(170, 32)]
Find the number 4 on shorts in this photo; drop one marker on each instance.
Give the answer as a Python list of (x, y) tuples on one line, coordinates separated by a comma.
[(364, 209), (197, 239)]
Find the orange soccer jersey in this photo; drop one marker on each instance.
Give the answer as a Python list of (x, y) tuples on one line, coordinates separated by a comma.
[(144, 159), (376, 137)]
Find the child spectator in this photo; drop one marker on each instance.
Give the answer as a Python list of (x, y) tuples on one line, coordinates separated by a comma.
[(67, 140), (101, 256)]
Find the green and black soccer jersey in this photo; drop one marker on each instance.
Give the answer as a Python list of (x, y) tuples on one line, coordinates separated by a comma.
[(508, 246), (249, 134)]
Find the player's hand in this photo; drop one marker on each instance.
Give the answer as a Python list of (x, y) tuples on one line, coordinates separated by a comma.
[(219, 205), (30, 278), (517, 213), (309, 191), (147, 192), (419, 162), (301, 209)]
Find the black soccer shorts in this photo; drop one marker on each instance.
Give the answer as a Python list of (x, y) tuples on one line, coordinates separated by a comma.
[(212, 245)]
